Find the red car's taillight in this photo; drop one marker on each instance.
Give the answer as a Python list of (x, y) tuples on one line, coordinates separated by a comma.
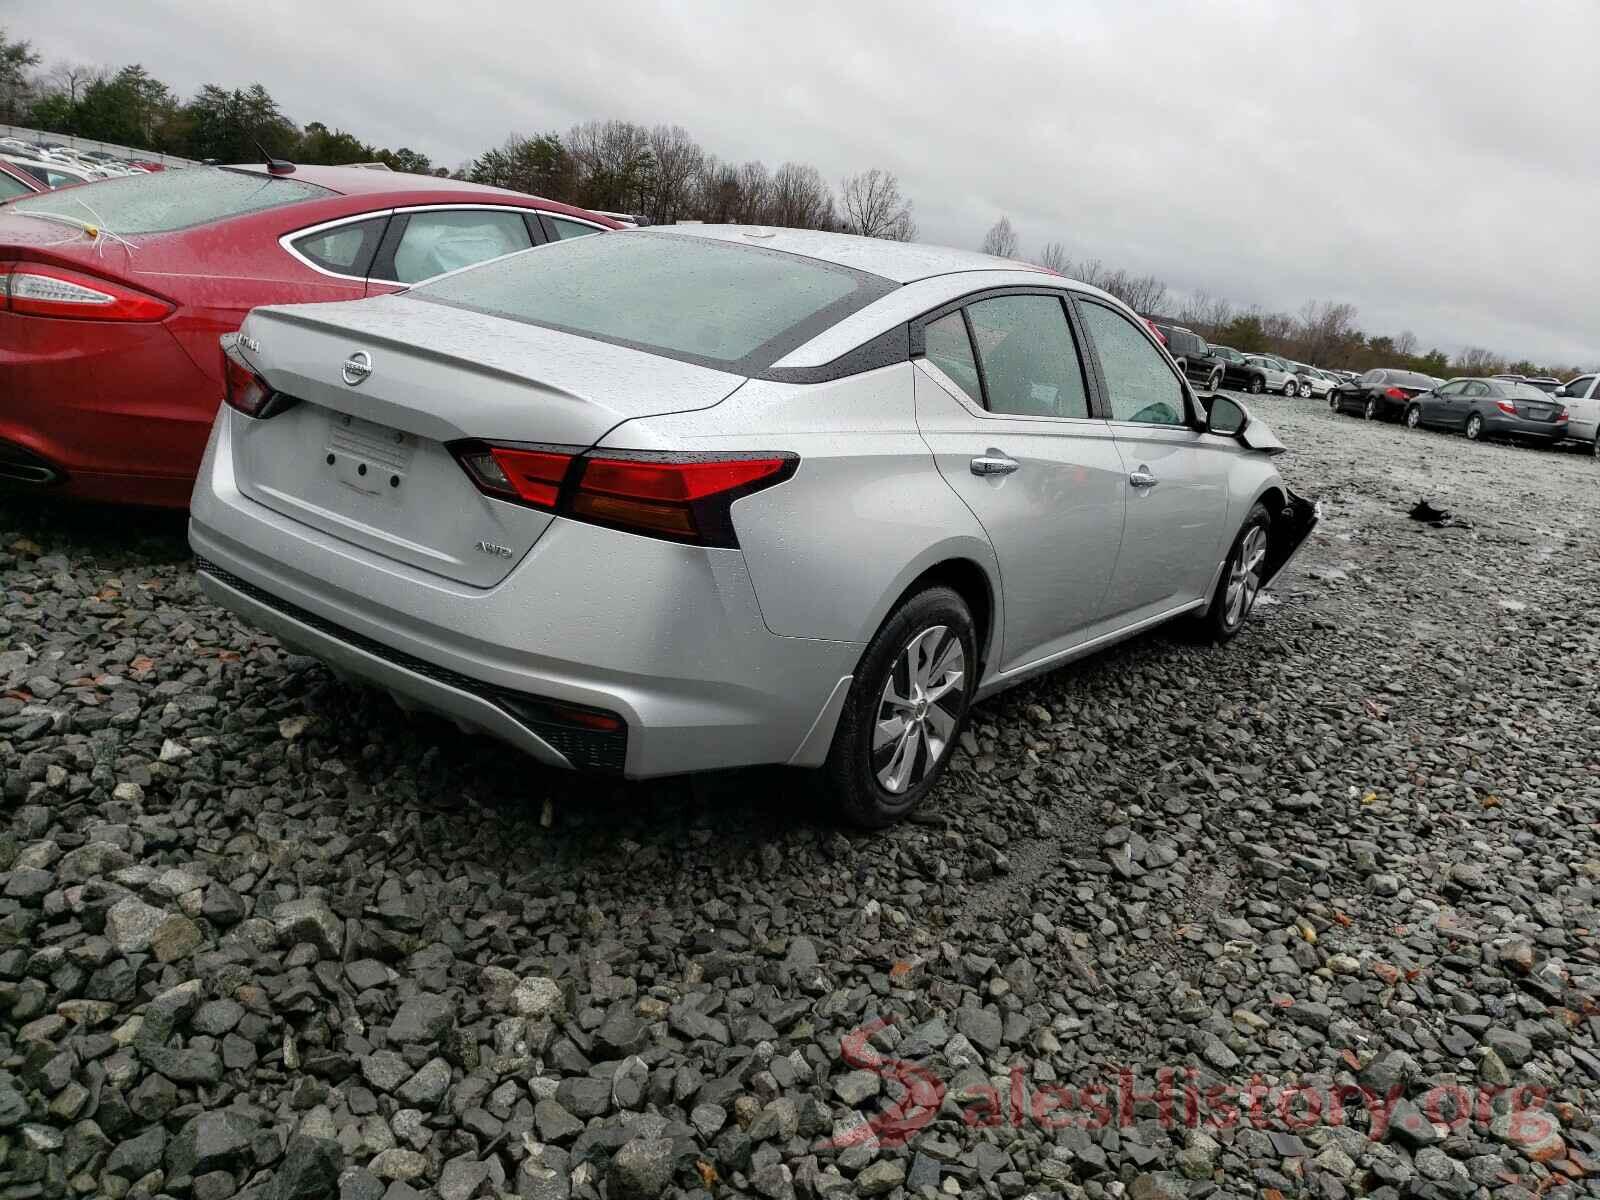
[(1396, 394), (1506, 407), (681, 497), (36, 290)]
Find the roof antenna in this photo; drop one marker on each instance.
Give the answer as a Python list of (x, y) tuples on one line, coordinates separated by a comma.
[(275, 166)]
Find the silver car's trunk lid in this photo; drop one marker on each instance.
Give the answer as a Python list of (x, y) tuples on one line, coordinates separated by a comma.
[(368, 461)]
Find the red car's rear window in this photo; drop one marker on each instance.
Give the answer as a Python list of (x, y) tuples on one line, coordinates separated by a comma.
[(167, 200)]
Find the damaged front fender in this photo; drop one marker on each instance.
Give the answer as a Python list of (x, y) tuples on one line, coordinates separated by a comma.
[(1291, 526)]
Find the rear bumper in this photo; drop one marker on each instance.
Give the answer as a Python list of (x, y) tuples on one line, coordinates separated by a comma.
[(1503, 423), (668, 637)]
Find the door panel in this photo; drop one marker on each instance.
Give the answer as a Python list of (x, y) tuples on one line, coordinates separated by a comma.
[(1055, 521)]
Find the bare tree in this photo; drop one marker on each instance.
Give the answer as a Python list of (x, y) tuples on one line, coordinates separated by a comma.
[(1406, 344), (1054, 258), (753, 200), (678, 161), (72, 77), (873, 207), (1001, 240), (1324, 331), (1475, 360), (801, 198), (615, 168)]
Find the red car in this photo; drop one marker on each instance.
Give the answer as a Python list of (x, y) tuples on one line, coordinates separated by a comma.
[(113, 295), (16, 182)]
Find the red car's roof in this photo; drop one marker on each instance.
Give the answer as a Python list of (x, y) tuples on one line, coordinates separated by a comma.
[(363, 181)]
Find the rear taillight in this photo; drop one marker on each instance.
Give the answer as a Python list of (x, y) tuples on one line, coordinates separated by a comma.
[(680, 497), (41, 291), (244, 389), (1396, 394), (1506, 407), (1563, 415)]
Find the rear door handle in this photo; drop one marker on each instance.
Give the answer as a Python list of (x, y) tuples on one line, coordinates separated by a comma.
[(1142, 478), (993, 463)]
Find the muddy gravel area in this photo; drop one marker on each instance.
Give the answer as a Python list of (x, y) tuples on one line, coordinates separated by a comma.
[(1311, 914)]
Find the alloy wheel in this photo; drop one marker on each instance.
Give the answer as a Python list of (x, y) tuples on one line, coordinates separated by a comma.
[(1413, 417), (1371, 411), (917, 713), (1256, 386), (1474, 427), (1244, 579)]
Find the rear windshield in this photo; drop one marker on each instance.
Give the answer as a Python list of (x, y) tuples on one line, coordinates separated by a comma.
[(1409, 379), (1524, 391), (731, 306), (167, 200)]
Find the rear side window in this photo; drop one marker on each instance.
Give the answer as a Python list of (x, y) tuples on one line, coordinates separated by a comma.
[(1030, 361), (950, 349), (436, 242), (1141, 384), (727, 305), (167, 200), (564, 228), (345, 249)]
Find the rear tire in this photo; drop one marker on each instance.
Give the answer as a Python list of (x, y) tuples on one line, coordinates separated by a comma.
[(1474, 430), (1333, 402), (1370, 412), (905, 710), (1413, 417), (1242, 576)]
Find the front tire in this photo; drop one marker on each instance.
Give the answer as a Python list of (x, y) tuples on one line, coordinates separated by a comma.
[(1290, 389), (1370, 412), (1257, 385), (1474, 428), (1214, 384), (1413, 417), (906, 705), (1242, 577)]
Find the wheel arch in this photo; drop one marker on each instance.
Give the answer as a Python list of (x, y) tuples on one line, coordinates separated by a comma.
[(971, 574)]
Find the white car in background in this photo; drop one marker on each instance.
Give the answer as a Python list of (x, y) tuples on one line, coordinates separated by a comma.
[(1278, 380), (1583, 409), (1315, 382)]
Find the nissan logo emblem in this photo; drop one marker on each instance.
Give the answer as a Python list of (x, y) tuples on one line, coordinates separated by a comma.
[(356, 368)]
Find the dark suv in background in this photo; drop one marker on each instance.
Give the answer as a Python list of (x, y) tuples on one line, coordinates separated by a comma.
[(1238, 371), (1189, 351)]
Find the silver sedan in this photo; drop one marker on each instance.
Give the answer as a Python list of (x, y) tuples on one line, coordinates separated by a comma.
[(671, 500)]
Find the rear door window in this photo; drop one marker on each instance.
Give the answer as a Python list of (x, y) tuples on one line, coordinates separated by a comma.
[(950, 349), (437, 242), (164, 201), (563, 228), (1029, 358)]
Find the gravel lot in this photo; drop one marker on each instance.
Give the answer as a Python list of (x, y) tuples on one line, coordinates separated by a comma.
[(260, 934)]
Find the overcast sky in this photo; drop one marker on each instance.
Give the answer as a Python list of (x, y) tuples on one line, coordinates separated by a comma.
[(1436, 165)]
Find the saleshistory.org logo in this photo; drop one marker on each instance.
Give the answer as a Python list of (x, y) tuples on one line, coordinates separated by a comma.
[(914, 1096)]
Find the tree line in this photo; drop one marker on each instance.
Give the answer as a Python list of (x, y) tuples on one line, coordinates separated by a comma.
[(661, 173), (1324, 333)]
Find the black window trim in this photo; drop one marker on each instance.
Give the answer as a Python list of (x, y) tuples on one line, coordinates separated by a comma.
[(548, 219), (1193, 414), (1093, 395)]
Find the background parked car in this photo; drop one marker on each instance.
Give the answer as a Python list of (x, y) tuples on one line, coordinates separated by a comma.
[(1483, 408), (50, 172), (1582, 398), (1276, 377), (111, 367), (1314, 382), (1193, 356), (1382, 394), (14, 181), (1238, 371)]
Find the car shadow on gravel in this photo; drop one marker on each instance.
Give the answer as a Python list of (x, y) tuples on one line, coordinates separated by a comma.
[(107, 534)]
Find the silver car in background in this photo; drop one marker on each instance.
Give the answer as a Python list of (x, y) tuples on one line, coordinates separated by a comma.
[(1278, 376), (671, 500)]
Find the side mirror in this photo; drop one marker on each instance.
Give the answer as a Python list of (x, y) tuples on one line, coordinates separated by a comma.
[(1560, 391), (1226, 417)]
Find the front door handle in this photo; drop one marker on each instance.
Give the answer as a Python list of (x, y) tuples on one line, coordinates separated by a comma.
[(1142, 478), (993, 463)]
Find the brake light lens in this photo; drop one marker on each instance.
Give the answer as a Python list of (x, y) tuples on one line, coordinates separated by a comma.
[(1563, 415), (1506, 407), (43, 291), (679, 497), (244, 389), (1395, 393)]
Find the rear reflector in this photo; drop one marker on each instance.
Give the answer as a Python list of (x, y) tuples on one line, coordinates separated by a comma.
[(680, 497), (43, 291)]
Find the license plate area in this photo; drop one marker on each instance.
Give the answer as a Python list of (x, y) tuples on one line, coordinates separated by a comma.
[(367, 457)]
